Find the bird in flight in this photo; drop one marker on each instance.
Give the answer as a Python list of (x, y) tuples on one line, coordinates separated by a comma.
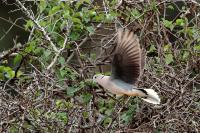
[(126, 68)]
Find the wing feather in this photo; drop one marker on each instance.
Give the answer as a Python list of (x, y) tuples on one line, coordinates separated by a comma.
[(126, 62)]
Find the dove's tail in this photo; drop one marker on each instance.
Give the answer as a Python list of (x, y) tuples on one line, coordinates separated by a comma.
[(150, 96)]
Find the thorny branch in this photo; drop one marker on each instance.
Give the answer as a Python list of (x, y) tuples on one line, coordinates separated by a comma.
[(31, 17), (40, 94)]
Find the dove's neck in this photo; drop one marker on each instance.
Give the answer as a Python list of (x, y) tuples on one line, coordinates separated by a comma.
[(104, 81), (115, 86)]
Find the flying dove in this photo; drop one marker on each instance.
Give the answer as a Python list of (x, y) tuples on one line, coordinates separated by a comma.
[(126, 68)]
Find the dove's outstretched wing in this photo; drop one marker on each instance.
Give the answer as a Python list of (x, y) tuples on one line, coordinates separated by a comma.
[(126, 63)]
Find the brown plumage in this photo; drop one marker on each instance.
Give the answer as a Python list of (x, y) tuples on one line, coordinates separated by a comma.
[(126, 64)]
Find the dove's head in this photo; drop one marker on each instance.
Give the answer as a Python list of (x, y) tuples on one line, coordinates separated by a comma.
[(102, 80), (97, 78)]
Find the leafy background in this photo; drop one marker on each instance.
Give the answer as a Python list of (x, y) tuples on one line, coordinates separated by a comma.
[(46, 82)]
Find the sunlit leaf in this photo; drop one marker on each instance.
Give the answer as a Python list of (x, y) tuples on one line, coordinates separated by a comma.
[(17, 59), (185, 55), (42, 5), (29, 24), (180, 22), (71, 90), (62, 116), (85, 114), (170, 7), (90, 29), (54, 10), (152, 49), (168, 58), (168, 24)]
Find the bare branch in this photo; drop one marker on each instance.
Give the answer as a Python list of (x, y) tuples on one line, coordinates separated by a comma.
[(31, 17)]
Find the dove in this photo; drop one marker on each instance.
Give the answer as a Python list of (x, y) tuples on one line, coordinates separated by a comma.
[(126, 66)]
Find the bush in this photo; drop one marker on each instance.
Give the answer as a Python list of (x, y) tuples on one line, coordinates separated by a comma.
[(48, 87)]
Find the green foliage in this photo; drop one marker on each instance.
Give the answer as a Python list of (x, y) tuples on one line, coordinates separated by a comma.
[(168, 58), (65, 96), (132, 14), (127, 115), (168, 54), (29, 24), (152, 49), (168, 24), (153, 6), (6, 73), (13, 129), (62, 116), (171, 7), (86, 97), (180, 22)]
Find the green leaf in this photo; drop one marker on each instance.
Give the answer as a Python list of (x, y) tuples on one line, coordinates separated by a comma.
[(168, 58), (109, 17), (86, 97), (168, 24), (92, 13), (59, 103), (61, 60), (152, 49), (126, 117), (71, 90), (47, 53), (107, 121), (13, 129), (109, 111), (6, 72), (66, 14), (76, 20), (31, 47), (197, 47), (17, 59), (29, 24), (74, 36), (135, 13), (54, 10), (185, 55), (90, 29), (99, 17), (43, 5), (19, 73), (85, 114), (69, 105), (167, 48), (63, 72), (62, 116), (170, 7), (180, 22)]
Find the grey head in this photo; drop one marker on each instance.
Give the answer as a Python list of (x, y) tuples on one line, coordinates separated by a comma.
[(97, 77)]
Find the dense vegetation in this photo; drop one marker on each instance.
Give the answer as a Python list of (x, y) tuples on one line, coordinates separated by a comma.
[(46, 83)]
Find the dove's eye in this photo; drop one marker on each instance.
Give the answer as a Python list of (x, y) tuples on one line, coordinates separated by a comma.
[(102, 77), (95, 77)]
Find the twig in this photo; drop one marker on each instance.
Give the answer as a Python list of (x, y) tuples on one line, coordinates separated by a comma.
[(83, 41), (72, 55), (58, 53), (31, 17)]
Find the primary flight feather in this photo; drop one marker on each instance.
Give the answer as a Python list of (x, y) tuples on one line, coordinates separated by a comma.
[(127, 65)]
